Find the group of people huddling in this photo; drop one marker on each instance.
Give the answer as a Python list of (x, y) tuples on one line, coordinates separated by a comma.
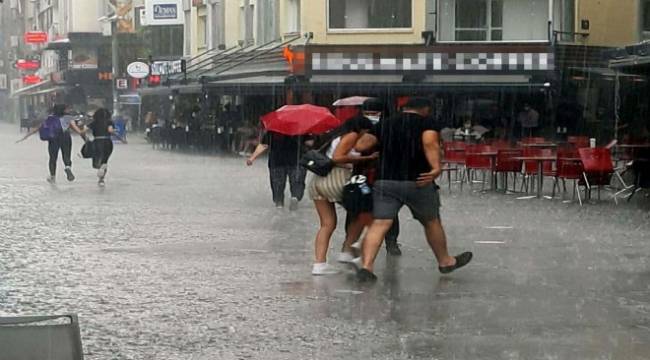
[(376, 166), (56, 130)]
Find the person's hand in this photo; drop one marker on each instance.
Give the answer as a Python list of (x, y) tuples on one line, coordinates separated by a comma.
[(249, 161), (427, 178), (374, 156)]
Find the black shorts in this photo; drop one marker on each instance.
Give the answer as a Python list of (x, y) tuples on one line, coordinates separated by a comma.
[(389, 197)]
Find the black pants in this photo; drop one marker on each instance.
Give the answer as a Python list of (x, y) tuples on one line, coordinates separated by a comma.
[(63, 142), (103, 148), (391, 235), (279, 175)]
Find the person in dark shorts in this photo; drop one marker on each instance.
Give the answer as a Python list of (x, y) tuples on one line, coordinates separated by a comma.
[(103, 129), (409, 150), (374, 110), (284, 155)]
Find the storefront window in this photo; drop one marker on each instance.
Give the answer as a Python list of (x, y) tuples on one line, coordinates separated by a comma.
[(564, 19), (493, 20), (369, 14)]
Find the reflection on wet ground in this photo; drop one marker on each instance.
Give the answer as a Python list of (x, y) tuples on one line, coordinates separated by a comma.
[(184, 257)]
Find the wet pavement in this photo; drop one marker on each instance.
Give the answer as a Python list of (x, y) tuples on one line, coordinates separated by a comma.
[(184, 257)]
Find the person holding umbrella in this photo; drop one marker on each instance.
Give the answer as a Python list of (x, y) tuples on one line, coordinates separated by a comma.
[(284, 154), (287, 130)]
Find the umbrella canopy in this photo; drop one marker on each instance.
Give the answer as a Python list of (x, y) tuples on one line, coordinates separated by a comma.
[(351, 101), (300, 120), (345, 113)]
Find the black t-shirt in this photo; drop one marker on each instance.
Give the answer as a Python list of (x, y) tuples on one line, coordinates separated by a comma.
[(400, 146), (284, 150), (100, 128)]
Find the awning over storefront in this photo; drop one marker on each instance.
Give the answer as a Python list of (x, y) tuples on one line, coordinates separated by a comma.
[(37, 89)]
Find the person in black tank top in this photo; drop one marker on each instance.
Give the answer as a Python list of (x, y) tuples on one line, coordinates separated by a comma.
[(103, 129)]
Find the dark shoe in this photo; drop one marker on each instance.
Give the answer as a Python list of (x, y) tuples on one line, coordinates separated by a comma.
[(461, 260), (392, 248), (364, 275), (68, 173)]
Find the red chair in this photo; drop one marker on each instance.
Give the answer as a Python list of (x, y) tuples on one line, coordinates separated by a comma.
[(567, 168), (578, 141), (533, 140), (598, 168), (507, 165), (530, 167), (500, 144), (476, 162), (453, 158)]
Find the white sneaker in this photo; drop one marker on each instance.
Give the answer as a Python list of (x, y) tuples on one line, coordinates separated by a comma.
[(102, 171), (357, 245), (357, 263), (345, 257), (323, 269)]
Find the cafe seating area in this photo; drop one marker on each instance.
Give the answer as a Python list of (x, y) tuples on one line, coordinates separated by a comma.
[(527, 168)]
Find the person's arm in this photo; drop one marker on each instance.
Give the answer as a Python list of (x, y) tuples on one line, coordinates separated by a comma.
[(30, 133), (431, 143), (342, 153), (259, 150), (82, 133), (366, 143)]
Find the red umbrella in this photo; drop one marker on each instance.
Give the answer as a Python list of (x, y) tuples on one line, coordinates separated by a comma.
[(300, 120)]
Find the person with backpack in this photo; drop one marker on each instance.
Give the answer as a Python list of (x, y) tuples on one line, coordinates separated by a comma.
[(55, 129)]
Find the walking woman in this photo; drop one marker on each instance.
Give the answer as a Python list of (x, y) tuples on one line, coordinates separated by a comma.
[(55, 129), (326, 191), (102, 145)]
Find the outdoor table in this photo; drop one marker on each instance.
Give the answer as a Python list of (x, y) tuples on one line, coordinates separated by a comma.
[(493, 163), (540, 169)]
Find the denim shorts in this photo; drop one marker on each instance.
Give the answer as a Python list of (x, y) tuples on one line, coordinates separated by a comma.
[(390, 196)]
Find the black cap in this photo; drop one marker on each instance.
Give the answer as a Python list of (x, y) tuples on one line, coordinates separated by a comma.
[(373, 104), (418, 103)]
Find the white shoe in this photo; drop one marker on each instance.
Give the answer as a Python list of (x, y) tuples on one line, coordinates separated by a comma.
[(323, 269), (345, 257), (102, 171), (357, 262), (356, 245)]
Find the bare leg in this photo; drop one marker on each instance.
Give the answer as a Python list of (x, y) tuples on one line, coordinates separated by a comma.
[(438, 242), (327, 214), (354, 230), (373, 242)]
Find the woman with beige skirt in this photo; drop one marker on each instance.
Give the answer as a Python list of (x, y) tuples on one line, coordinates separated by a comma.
[(326, 191)]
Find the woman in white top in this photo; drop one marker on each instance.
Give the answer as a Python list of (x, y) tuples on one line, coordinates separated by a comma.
[(326, 191)]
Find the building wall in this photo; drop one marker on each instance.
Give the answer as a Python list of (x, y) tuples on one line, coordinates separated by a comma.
[(85, 14), (314, 19), (612, 22)]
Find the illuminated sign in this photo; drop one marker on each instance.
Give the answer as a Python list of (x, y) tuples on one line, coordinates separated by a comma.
[(35, 37), (31, 79), (24, 64)]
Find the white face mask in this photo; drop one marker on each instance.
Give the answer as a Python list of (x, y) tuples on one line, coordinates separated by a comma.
[(374, 118)]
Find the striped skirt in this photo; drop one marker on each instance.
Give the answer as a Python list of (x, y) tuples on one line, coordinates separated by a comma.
[(329, 187)]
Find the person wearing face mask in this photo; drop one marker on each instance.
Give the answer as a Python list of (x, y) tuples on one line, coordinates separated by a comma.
[(374, 110)]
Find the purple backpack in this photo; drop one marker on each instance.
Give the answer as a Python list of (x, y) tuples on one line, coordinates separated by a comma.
[(50, 128)]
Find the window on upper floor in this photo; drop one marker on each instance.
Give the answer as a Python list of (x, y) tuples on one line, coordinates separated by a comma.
[(564, 19), (493, 20), (293, 16), (370, 14)]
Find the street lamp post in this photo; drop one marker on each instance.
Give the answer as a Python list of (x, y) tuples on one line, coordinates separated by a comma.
[(114, 62)]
